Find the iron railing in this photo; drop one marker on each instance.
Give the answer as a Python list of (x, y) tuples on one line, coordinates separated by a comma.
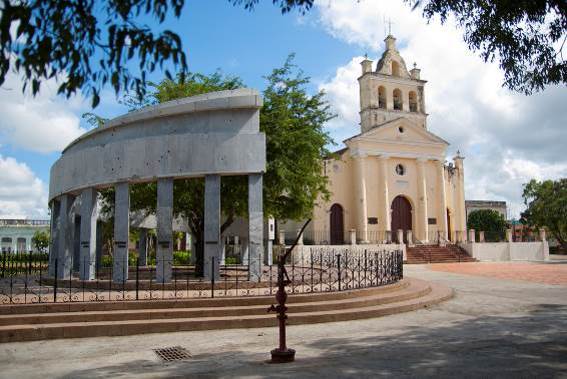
[(324, 270)]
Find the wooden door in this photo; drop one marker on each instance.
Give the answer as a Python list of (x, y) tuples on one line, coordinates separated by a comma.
[(401, 216), (337, 225), (449, 234)]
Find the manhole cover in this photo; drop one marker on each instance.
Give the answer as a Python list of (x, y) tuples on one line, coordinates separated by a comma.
[(174, 353)]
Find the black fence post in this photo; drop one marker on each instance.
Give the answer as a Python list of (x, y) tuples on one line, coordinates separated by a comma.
[(3, 263), (339, 269), (137, 276), (55, 280), (213, 277)]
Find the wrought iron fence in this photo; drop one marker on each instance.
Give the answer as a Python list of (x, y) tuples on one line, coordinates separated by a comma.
[(325, 270)]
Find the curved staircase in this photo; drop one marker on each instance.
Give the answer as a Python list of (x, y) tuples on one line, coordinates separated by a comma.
[(71, 320), (437, 254)]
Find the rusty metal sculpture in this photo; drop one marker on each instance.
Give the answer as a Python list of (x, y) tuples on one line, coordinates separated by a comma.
[(282, 354)]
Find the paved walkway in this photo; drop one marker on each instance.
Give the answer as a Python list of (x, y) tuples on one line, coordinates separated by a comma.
[(492, 328), (531, 272)]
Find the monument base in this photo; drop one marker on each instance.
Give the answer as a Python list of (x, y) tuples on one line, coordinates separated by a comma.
[(283, 356)]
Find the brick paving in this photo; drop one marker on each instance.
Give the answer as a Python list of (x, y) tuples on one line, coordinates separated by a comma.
[(555, 274)]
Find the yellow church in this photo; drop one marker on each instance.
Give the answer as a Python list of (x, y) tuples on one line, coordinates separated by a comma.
[(391, 181)]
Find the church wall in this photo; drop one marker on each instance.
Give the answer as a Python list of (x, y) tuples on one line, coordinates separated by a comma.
[(372, 171)]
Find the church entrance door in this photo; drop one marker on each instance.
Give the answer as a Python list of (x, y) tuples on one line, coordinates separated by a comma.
[(449, 234), (401, 217), (337, 226)]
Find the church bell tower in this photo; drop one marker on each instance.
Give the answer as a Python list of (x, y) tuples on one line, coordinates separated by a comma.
[(391, 91)]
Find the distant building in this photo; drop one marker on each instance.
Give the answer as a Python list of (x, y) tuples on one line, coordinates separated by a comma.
[(475, 205), (16, 234)]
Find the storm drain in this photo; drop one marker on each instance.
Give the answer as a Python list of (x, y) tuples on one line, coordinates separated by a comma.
[(173, 353)]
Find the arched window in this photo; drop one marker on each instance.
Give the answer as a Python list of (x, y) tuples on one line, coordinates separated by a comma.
[(395, 68), (398, 99), (382, 97), (412, 101)]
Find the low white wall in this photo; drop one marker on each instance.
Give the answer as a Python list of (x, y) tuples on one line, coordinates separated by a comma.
[(302, 253), (508, 251)]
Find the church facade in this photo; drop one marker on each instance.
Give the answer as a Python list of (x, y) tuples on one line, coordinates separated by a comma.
[(392, 176)]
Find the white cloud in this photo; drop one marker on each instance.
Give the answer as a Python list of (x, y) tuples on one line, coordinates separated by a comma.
[(508, 138), (44, 123), (22, 194)]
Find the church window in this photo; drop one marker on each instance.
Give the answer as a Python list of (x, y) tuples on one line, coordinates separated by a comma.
[(382, 97), (401, 129), (412, 101), (395, 68), (398, 99), (400, 169)]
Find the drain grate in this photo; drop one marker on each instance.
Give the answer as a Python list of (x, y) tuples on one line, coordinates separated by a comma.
[(173, 353)]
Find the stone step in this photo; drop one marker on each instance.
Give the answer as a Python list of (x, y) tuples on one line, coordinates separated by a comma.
[(79, 306), (424, 295), (414, 290)]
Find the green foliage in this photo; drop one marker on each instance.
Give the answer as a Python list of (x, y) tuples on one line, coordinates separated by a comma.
[(546, 204), (231, 261), (526, 37), (181, 258), (87, 44), (295, 144), (40, 240), (490, 221), (107, 260)]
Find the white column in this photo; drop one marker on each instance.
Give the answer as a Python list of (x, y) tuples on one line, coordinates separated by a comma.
[(360, 199), (212, 226), (384, 211), (87, 263), (164, 248), (121, 232), (442, 200), (65, 237), (255, 226), (422, 218), (54, 235)]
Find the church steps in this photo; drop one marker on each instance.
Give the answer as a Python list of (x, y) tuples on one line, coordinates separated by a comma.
[(421, 254), (419, 294)]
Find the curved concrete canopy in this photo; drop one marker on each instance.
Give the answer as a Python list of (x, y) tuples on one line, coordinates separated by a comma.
[(215, 133)]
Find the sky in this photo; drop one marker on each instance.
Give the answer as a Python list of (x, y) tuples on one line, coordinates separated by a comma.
[(506, 138)]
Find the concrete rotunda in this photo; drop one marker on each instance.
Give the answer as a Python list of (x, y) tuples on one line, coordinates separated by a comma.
[(208, 136)]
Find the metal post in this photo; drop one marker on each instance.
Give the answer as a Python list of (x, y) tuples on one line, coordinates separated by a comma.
[(282, 354), (55, 281), (137, 276), (212, 277), (339, 269)]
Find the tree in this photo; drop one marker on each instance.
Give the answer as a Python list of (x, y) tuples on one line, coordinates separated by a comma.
[(295, 144), (40, 240), (87, 44), (546, 203), (491, 222), (527, 37)]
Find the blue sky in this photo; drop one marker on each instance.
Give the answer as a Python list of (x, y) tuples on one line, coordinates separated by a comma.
[(467, 106)]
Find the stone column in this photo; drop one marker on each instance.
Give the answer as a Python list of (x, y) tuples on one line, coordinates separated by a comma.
[(212, 226), (542, 236), (121, 232), (509, 235), (481, 236), (54, 235), (281, 237), (143, 248), (422, 218), (353, 237), (360, 199), (98, 246), (472, 235), (442, 200), (400, 236), (255, 226), (409, 237), (76, 240), (164, 213), (384, 197), (65, 238), (87, 264)]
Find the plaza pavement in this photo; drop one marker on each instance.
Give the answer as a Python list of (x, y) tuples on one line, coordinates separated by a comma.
[(493, 327)]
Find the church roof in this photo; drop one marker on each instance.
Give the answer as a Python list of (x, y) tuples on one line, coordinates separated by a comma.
[(395, 120)]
